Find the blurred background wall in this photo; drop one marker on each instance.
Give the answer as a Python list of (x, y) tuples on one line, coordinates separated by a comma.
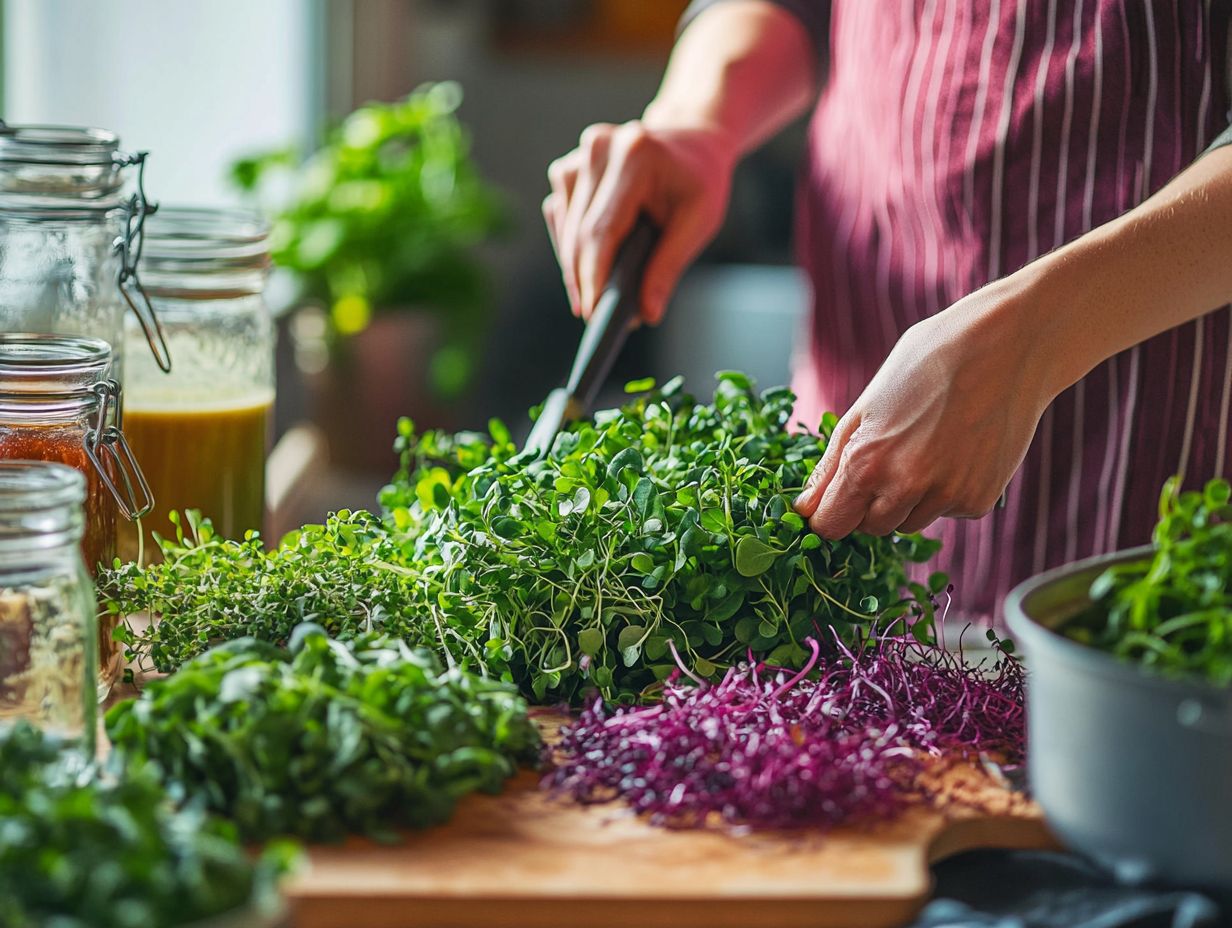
[(196, 83), (200, 84)]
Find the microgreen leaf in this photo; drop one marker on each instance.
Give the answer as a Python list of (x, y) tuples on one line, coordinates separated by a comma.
[(754, 556)]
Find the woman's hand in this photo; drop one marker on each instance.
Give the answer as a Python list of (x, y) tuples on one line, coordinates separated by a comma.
[(942, 426), (948, 418), (739, 72), (679, 177)]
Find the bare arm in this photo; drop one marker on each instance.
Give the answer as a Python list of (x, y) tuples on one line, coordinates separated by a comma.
[(948, 418), (739, 72), (744, 69), (1162, 264)]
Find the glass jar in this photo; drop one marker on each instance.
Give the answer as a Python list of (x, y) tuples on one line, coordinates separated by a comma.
[(57, 403), (71, 238), (48, 638), (201, 432)]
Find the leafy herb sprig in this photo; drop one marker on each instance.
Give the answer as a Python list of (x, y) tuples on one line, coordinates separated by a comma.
[(325, 738), (1172, 611), (79, 849), (211, 589)]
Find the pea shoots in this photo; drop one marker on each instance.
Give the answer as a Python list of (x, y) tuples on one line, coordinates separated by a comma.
[(1172, 611)]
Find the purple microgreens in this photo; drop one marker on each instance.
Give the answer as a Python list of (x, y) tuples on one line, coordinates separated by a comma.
[(843, 741)]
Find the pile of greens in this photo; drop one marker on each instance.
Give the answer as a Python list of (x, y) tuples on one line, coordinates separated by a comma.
[(666, 520), (324, 738), (209, 589), (81, 850), (1172, 611)]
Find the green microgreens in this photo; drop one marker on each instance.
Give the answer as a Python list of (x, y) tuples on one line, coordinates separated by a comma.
[(664, 520), (1172, 611)]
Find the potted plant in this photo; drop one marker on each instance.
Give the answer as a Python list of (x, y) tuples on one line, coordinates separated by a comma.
[(379, 228)]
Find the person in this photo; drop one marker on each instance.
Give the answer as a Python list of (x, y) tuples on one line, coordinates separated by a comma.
[(1017, 240)]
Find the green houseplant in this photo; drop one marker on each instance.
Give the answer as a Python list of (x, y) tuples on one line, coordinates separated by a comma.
[(379, 227)]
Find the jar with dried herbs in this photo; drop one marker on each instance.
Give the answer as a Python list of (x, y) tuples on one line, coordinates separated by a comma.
[(48, 616)]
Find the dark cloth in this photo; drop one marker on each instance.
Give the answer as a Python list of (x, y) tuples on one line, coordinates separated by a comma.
[(814, 15), (1035, 889)]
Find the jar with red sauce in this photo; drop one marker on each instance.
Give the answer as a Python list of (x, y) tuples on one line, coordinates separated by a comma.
[(59, 403)]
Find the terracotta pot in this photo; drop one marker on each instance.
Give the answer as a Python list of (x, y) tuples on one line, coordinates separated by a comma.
[(358, 389)]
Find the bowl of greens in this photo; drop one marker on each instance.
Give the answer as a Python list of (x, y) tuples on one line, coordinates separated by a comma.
[(1129, 696)]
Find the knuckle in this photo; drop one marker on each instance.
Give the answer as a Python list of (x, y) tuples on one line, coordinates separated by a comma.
[(594, 229), (558, 171), (634, 139), (862, 464), (594, 134)]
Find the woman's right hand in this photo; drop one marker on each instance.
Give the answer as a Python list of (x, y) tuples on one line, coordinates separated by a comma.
[(680, 177)]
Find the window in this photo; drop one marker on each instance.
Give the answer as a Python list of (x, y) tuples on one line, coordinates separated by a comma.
[(196, 84)]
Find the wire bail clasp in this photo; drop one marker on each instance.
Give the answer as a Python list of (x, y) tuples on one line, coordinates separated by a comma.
[(108, 450), (128, 245)]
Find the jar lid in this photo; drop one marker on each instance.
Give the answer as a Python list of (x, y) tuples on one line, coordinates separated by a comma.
[(71, 163), (192, 252), (33, 364), (40, 505), (26, 485)]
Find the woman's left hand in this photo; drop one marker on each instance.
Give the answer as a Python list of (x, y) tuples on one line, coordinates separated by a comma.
[(942, 426), (948, 418)]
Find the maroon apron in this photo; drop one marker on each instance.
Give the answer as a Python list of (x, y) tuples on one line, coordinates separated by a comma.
[(956, 141)]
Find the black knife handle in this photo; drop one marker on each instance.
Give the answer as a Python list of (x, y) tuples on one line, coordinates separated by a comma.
[(614, 314)]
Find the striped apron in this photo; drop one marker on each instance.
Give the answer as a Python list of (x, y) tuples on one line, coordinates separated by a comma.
[(956, 141)]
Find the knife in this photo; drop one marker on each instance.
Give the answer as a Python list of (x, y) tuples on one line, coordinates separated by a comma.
[(604, 336)]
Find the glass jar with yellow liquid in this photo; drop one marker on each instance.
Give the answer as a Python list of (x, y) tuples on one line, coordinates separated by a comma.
[(202, 431)]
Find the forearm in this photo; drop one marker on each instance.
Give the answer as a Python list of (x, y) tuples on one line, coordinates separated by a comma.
[(1164, 263), (743, 68)]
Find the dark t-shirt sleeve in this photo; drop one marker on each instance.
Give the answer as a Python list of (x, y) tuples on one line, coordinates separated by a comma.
[(1223, 138), (814, 15)]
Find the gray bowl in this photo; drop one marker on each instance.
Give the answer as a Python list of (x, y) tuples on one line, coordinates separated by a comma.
[(1131, 768)]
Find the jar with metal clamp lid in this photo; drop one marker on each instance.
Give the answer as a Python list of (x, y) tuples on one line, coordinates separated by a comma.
[(201, 431), (58, 403), (71, 236), (48, 637)]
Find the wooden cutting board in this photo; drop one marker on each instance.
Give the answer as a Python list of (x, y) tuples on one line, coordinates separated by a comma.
[(525, 860)]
